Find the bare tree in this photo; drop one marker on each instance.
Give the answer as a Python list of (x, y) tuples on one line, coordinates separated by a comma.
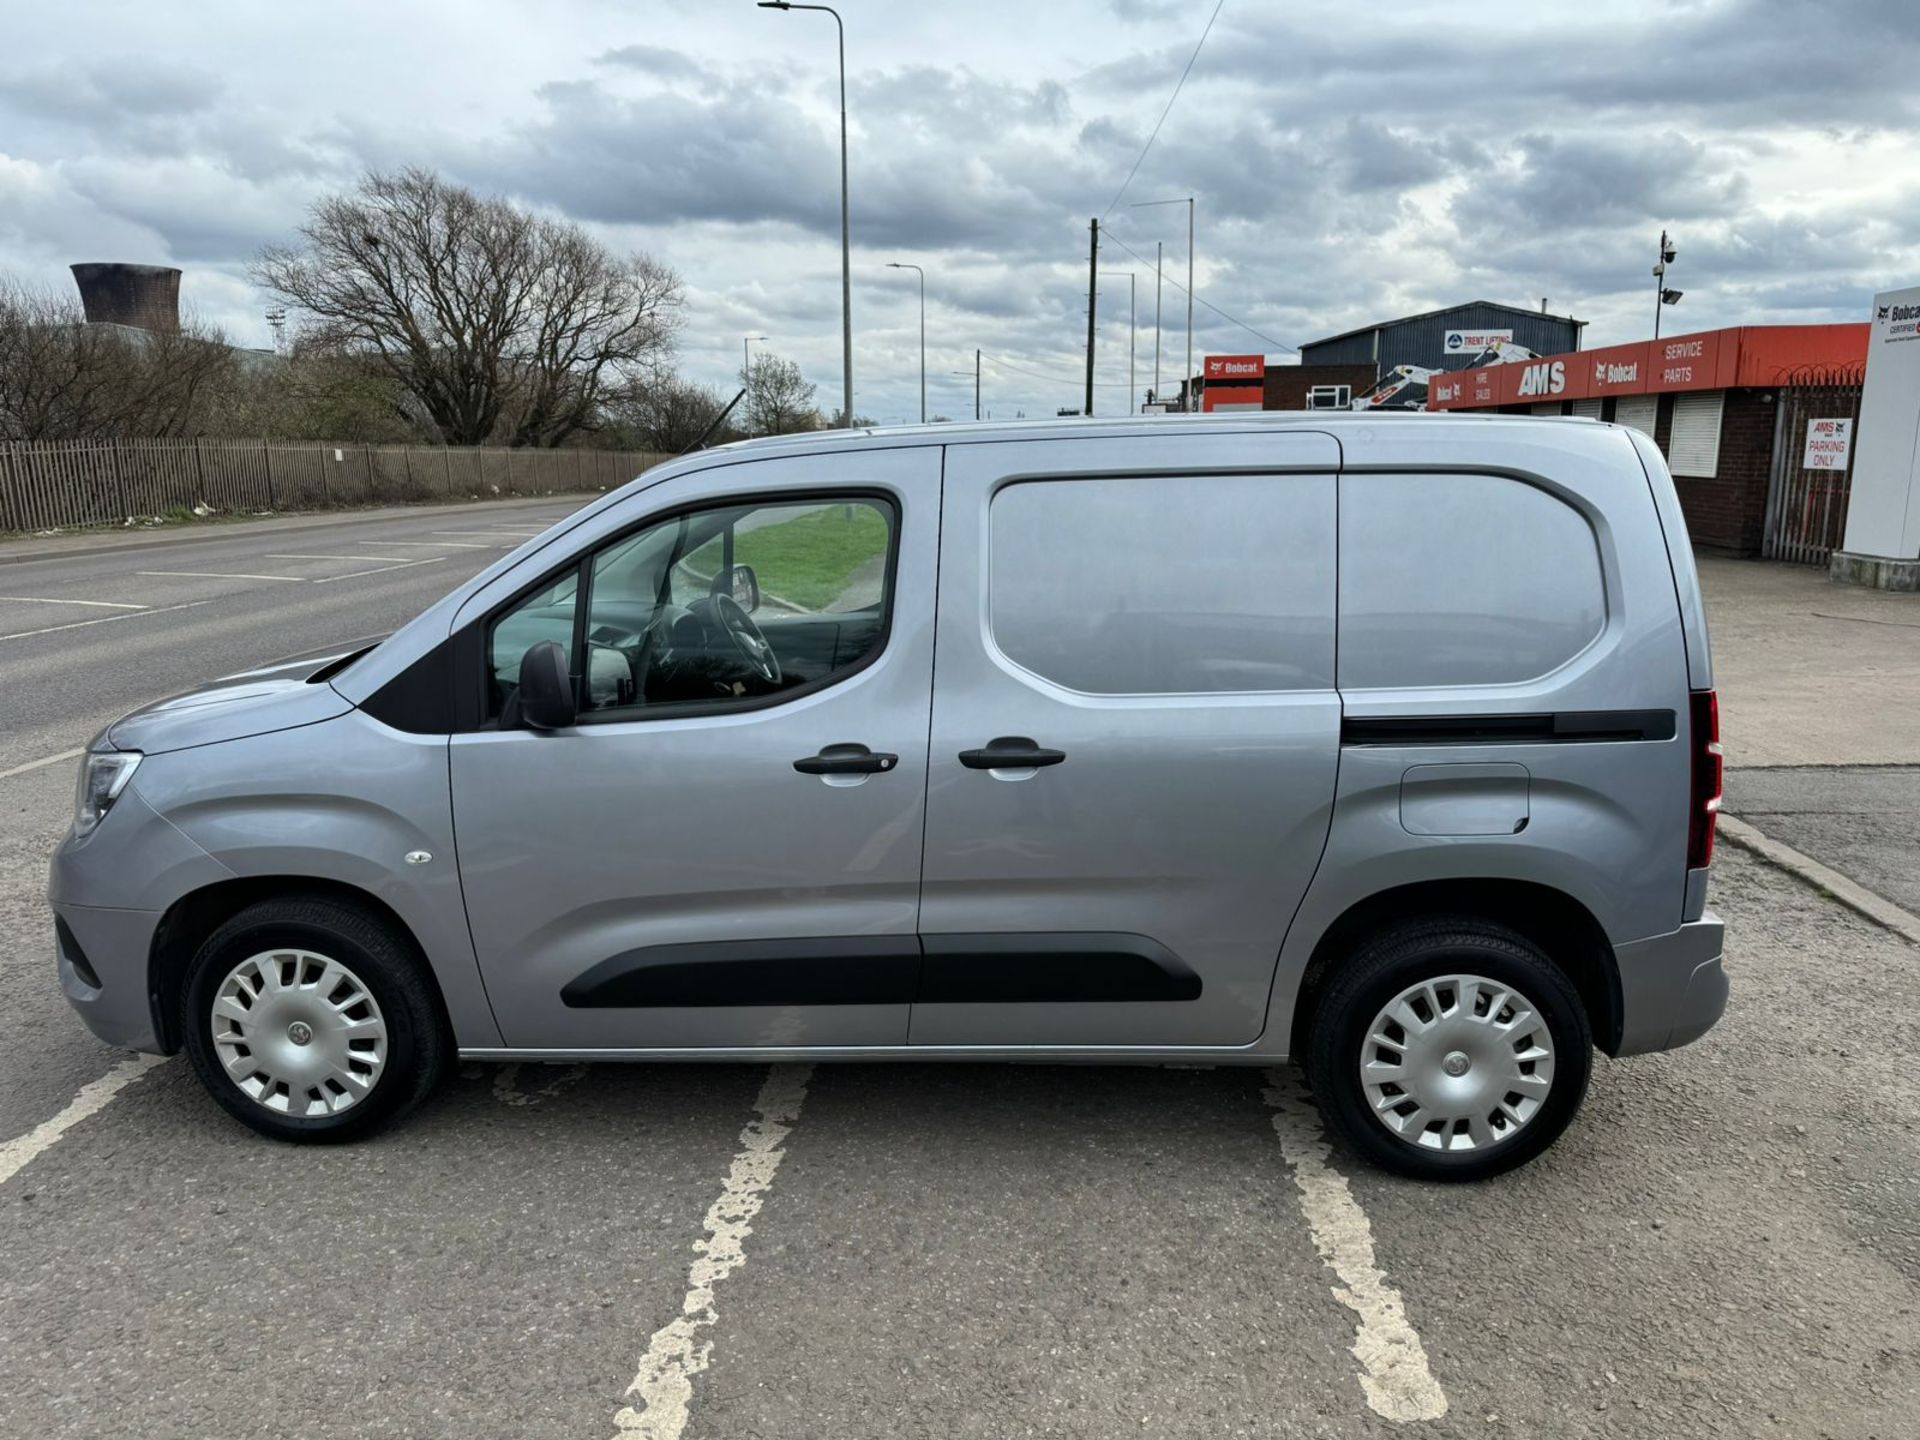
[(667, 414), (63, 379), (779, 399), (504, 325)]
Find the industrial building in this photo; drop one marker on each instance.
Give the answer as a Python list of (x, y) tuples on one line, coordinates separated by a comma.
[(1446, 339)]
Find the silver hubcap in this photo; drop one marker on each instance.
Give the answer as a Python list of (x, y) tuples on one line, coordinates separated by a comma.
[(1458, 1062), (299, 1033)]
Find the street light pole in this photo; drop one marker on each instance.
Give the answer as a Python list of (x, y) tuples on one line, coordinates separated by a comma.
[(1133, 401), (746, 363), (897, 265), (846, 232), (1186, 384)]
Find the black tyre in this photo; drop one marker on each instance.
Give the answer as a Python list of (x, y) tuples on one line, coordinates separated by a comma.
[(309, 1019), (1449, 1049)]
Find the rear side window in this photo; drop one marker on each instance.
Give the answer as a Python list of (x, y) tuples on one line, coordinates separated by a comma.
[(1462, 580), (1170, 585)]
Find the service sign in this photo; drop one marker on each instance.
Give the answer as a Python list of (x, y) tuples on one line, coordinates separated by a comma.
[(1241, 368), (1829, 443), (1474, 342)]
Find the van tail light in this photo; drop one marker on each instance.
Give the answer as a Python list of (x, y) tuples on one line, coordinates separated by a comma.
[(1707, 776)]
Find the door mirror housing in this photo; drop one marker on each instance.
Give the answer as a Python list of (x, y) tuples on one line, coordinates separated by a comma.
[(741, 584), (546, 689)]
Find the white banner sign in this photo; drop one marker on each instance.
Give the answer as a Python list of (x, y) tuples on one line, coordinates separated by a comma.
[(1475, 342), (1829, 442)]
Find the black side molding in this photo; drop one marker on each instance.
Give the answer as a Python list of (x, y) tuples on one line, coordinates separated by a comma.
[(834, 970), (1558, 728), (887, 970), (1051, 967)]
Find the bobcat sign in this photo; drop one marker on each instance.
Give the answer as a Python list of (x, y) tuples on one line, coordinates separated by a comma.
[(1883, 514)]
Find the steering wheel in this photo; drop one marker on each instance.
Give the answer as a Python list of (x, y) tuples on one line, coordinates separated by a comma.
[(747, 640)]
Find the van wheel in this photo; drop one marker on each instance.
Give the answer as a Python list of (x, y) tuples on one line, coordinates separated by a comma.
[(1450, 1049), (311, 1020)]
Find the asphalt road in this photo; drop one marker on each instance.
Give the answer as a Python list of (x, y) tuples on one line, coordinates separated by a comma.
[(1726, 1243)]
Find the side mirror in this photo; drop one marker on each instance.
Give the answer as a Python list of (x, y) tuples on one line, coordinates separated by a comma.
[(741, 585), (546, 689)]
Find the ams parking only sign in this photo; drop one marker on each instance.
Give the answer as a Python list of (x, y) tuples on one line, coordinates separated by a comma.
[(1829, 444)]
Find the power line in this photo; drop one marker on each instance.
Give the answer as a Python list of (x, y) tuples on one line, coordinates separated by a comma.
[(1060, 379), (1200, 299), (1169, 110)]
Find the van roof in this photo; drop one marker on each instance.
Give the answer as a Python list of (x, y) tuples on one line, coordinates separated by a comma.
[(976, 432)]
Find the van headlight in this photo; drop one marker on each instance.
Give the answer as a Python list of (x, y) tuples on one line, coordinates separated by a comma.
[(103, 775)]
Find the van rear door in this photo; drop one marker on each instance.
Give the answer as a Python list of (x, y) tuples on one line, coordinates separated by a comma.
[(1135, 732)]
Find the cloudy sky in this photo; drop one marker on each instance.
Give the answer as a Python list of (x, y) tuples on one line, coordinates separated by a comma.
[(1351, 161)]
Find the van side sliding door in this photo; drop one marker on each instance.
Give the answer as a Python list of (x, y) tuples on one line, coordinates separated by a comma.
[(1134, 736)]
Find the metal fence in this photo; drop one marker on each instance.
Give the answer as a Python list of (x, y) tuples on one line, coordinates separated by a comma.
[(49, 485), (1806, 508)]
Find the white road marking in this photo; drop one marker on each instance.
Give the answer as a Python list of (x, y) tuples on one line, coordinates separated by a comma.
[(222, 575), (42, 762), (484, 534), (379, 570), (22, 1150), (397, 559), (431, 544), (41, 600), (677, 1351), (1393, 1363), (104, 619)]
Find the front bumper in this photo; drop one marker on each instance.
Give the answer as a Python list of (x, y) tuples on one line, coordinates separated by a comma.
[(1672, 987), (102, 959), (110, 890)]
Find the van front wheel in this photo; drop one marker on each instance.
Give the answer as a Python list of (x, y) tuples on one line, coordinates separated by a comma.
[(309, 1019), (1450, 1049)]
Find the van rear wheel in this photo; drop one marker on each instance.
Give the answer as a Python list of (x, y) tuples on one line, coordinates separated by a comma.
[(1450, 1049), (310, 1019)]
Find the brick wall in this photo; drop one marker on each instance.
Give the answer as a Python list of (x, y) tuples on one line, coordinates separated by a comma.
[(1287, 385), (1726, 514)]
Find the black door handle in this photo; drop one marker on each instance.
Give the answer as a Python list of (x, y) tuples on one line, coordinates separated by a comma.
[(1011, 752), (846, 760)]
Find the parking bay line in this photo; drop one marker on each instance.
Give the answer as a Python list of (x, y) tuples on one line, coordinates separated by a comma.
[(47, 600), (1393, 1363), (42, 762), (676, 1353), (19, 1152), (109, 619)]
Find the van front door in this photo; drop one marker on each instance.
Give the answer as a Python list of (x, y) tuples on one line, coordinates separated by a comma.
[(724, 851), (1135, 734)]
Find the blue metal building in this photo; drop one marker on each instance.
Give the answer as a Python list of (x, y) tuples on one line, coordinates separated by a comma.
[(1445, 339)]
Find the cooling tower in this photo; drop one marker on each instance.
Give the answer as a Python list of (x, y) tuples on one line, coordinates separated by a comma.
[(146, 297)]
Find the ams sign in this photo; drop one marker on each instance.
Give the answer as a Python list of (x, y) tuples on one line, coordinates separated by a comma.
[(1549, 377)]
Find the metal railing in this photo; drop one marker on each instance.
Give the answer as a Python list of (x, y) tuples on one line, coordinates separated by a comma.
[(67, 484)]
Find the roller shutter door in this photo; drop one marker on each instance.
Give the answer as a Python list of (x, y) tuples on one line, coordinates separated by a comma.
[(1638, 411), (1588, 408), (1546, 407), (1695, 446)]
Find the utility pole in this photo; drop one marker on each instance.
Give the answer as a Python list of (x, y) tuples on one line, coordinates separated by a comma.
[(976, 384), (1188, 383), (1158, 246), (1093, 290)]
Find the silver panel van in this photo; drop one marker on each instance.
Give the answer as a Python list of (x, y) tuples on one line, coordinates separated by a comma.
[(1385, 744)]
